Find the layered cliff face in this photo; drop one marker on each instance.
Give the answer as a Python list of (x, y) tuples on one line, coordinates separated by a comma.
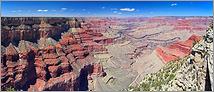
[(18, 69), (66, 64), (31, 29), (190, 73)]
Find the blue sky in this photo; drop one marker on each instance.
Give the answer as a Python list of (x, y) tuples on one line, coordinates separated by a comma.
[(106, 8)]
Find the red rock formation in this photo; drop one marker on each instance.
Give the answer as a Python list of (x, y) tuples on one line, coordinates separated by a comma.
[(103, 40), (19, 69), (65, 65), (39, 86), (71, 58), (97, 69), (80, 54), (76, 47), (40, 69), (177, 50), (54, 71), (59, 50), (52, 65), (30, 29), (166, 57), (11, 53), (67, 39), (44, 29), (66, 82), (74, 23)]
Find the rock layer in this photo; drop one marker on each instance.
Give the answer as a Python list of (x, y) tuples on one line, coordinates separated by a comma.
[(50, 64)]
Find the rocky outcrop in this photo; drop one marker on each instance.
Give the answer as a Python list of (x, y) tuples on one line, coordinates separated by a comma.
[(50, 64), (177, 50), (199, 66), (31, 29), (208, 40), (74, 23), (190, 73), (18, 68), (66, 81)]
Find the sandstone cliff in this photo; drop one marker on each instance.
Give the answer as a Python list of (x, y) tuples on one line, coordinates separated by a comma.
[(48, 64), (190, 73), (31, 29)]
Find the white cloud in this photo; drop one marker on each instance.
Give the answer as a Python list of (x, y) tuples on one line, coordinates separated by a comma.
[(45, 10), (40, 10), (127, 9), (174, 4), (103, 7), (63, 9)]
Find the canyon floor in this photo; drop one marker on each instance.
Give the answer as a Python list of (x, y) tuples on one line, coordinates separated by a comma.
[(99, 54)]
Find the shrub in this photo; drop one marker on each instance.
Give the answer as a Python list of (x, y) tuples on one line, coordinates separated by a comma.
[(10, 89)]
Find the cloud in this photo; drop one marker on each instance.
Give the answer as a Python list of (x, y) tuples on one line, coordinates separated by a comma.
[(174, 4), (103, 7), (45, 10), (40, 10), (63, 9), (127, 9)]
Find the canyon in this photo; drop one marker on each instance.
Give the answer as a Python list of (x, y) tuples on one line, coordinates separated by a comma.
[(94, 53), (189, 73)]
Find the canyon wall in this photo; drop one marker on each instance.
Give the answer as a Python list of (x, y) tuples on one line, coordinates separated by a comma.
[(32, 29), (49, 64)]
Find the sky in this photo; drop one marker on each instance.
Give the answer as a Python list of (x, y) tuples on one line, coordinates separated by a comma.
[(105, 8)]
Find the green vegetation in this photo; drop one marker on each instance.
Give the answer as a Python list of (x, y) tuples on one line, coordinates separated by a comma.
[(134, 88), (10, 89), (156, 81), (145, 86)]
